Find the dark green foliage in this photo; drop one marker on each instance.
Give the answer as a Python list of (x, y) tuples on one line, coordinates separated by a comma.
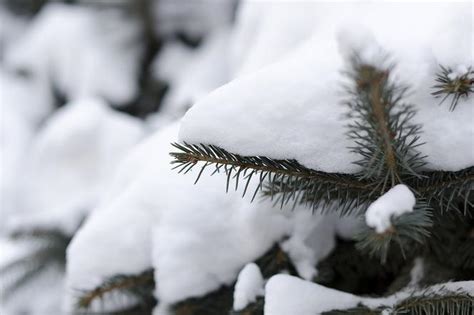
[(218, 302), (274, 262), (381, 128), (140, 287), (446, 190), (453, 242), (454, 88), (252, 309), (348, 269), (46, 249)]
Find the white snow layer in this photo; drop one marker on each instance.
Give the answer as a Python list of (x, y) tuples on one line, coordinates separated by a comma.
[(248, 287), (192, 74), (197, 238), (395, 202), (290, 295), (80, 51), (70, 162), (291, 108)]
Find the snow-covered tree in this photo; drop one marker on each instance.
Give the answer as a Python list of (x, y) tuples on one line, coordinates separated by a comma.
[(236, 157)]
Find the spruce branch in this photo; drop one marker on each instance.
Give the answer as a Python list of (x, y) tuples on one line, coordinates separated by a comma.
[(138, 286), (286, 178), (439, 303), (407, 231), (381, 127), (451, 86), (446, 189)]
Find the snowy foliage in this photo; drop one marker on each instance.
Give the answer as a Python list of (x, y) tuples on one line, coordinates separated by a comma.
[(264, 113), (256, 78)]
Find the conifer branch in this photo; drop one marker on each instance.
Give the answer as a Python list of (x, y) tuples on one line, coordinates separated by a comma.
[(456, 87), (436, 304), (286, 178), (445, 189), (407, 231), (381, 129), (139, 286)]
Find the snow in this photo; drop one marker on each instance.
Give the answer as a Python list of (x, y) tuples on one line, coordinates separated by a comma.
[(290, 295), (312, 240), (281, 109), (15, 137), (248, 287), (458, 71), (70, 162), (192, 75), (80, 51), (197, 238), (29, 98), (394, 203)]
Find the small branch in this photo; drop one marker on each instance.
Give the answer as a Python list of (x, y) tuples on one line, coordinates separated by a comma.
[(377, 80), (121, 283)]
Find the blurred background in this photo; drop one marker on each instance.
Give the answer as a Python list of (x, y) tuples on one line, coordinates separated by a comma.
[(81, 82)]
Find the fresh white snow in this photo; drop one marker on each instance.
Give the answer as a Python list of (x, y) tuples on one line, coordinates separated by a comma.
[(182, 229), (70, 162), (395, 202), (292, 107), (268, 84), (248, 287), (290, 295), (458, 72)]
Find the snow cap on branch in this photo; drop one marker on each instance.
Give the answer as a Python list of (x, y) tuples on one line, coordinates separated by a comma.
[(249, 285), (395, 202)]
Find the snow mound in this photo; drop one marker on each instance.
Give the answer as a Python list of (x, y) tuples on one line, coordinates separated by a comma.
[(197, 238), (395, 202), (70, 162), (292, 107), (290, 295), (248, 287)]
